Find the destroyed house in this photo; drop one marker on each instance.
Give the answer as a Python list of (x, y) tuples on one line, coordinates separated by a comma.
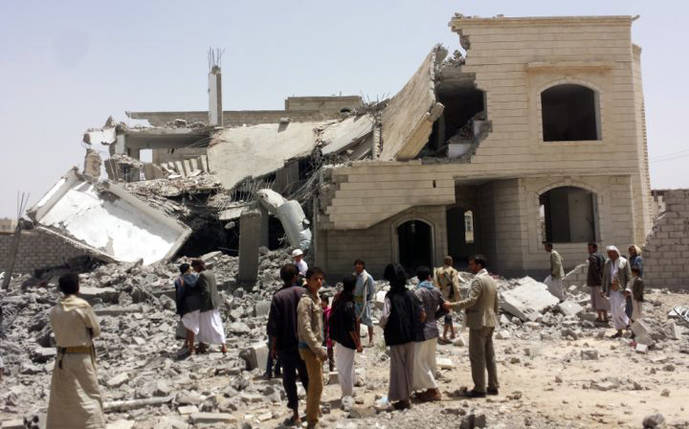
[(534, 130)]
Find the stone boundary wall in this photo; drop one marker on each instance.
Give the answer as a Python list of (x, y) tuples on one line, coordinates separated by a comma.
[(37, 249), (666, 253)]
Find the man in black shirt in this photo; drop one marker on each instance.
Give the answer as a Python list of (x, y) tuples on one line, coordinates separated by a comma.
[(282, 331), (344, 331)]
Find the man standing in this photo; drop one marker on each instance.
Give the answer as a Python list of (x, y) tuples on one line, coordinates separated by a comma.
[(557, 272), (211, 330), (75, 400), (426, 342), (481, 318), (310, 331), (282, 331), (299, 261), (616, 275), (594, 279), (364, 292), (446, 278)]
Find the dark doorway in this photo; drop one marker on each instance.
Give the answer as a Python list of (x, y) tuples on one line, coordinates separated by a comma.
[(567, 215), (415, 245)]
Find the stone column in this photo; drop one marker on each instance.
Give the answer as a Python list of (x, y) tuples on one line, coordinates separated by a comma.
[(249, 238)]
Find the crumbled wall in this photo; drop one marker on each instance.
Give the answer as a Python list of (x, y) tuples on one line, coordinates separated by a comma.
[(37, 249), (666, 253)]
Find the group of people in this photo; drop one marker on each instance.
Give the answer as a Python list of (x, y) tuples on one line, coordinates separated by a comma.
[(302, 327), (616, 284), (305, 331), (197, 301)]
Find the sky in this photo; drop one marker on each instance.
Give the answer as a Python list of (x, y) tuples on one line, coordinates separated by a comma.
[(66, 66)]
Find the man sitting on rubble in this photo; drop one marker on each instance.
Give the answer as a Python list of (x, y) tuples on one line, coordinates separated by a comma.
[(75, 400), (211, 330), (282, 331)]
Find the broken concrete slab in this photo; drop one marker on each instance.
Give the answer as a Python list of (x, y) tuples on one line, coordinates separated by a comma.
[(343, 135), (211, 418), (98, 294), (569, 308), (642, 332), (528, 300), (117, 380), (121, 406), (107, 221), (407, 120)]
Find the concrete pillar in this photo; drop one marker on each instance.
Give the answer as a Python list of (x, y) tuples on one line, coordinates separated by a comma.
[(215, 118), (249, 238), (265, 232)]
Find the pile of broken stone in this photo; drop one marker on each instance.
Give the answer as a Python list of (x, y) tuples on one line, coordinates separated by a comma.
[(148, 381)]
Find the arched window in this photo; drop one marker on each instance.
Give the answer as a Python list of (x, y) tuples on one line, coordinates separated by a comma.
[(567, 215), (570, 113)]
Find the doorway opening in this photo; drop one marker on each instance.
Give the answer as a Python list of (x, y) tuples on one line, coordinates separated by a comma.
[(415, 245)]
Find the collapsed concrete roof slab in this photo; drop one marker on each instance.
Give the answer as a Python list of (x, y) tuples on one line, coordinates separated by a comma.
[(235, 154), (342, 135), (407, 120), (106, 220)]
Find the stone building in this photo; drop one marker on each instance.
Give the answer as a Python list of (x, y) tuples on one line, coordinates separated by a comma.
[(532, 130), (564, 158)]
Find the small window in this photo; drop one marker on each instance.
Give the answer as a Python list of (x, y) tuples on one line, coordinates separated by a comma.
[(570, 113), (468, 227)]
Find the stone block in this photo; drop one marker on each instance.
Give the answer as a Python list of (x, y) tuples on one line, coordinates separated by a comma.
[(528, 300), (43, 354), (186, 410), (13, 424), (569, 308), (255, 356), (117, 380), (121, 424), (261, 309), (642, 332), (212, 418), (333, 377), (444, 363), (96, 294)]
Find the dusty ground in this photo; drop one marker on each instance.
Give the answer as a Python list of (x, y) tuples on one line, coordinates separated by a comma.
[(544, 380)]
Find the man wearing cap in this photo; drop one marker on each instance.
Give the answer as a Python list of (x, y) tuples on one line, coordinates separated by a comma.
[(299, 261)]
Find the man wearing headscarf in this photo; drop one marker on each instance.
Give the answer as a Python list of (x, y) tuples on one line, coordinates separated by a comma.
[(616, 275), (594, 278)]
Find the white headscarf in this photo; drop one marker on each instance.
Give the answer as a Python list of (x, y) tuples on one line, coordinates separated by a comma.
[(613, 249)]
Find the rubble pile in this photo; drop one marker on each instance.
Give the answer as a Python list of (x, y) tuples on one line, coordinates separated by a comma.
[(148, 381)]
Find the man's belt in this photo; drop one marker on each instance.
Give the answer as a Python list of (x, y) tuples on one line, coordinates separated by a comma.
[(75, 350)]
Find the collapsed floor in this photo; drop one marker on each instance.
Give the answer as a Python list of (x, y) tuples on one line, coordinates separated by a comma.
[(557, 367)]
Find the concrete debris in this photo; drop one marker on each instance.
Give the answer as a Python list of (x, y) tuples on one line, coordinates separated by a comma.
[(654, 421), (291, 216), (528, 300), (103, 217), (569, 308)]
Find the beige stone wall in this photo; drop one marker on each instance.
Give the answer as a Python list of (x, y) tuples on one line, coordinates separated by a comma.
[(515, 59), (666, 253), (37, 249), (377, 245)]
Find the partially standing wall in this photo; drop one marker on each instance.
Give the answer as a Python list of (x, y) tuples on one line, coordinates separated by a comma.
[(666, 253), (37, 249)]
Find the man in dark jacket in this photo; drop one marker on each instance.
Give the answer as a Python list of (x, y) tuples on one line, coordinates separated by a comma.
[(594, 280), (211, 330), (402, 316), (284, 342)]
